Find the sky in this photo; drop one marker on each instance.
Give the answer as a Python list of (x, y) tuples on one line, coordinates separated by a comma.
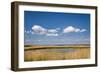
[(56, 28)]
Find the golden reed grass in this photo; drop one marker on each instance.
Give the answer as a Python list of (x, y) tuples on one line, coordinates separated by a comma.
[(37, 55)]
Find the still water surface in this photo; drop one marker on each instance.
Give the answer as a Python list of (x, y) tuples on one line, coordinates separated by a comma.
[(58, 50)]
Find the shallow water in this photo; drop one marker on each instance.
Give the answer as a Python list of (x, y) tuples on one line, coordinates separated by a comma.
[(65, 50)]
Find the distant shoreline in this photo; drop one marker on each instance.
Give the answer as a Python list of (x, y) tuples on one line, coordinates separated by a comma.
[(34, 47)]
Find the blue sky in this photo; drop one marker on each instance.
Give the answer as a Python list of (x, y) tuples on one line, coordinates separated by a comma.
[(53, 28)]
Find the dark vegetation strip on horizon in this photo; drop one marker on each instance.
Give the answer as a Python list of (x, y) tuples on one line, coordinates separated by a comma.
[(56, 48), (59, 45)]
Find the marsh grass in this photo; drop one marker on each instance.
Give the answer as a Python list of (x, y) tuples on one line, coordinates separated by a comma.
[(38, 55)]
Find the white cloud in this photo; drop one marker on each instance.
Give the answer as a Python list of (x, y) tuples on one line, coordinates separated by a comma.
[(51, 34), (36, 29), (52, 31), (39, 29), (69, 29), (48, 32), (73, 29), (29, 32), (83, 30), (77, 30)]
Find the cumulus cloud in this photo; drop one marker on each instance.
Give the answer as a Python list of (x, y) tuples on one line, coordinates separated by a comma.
[(39, 29), (52, 32), (73, 29)]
